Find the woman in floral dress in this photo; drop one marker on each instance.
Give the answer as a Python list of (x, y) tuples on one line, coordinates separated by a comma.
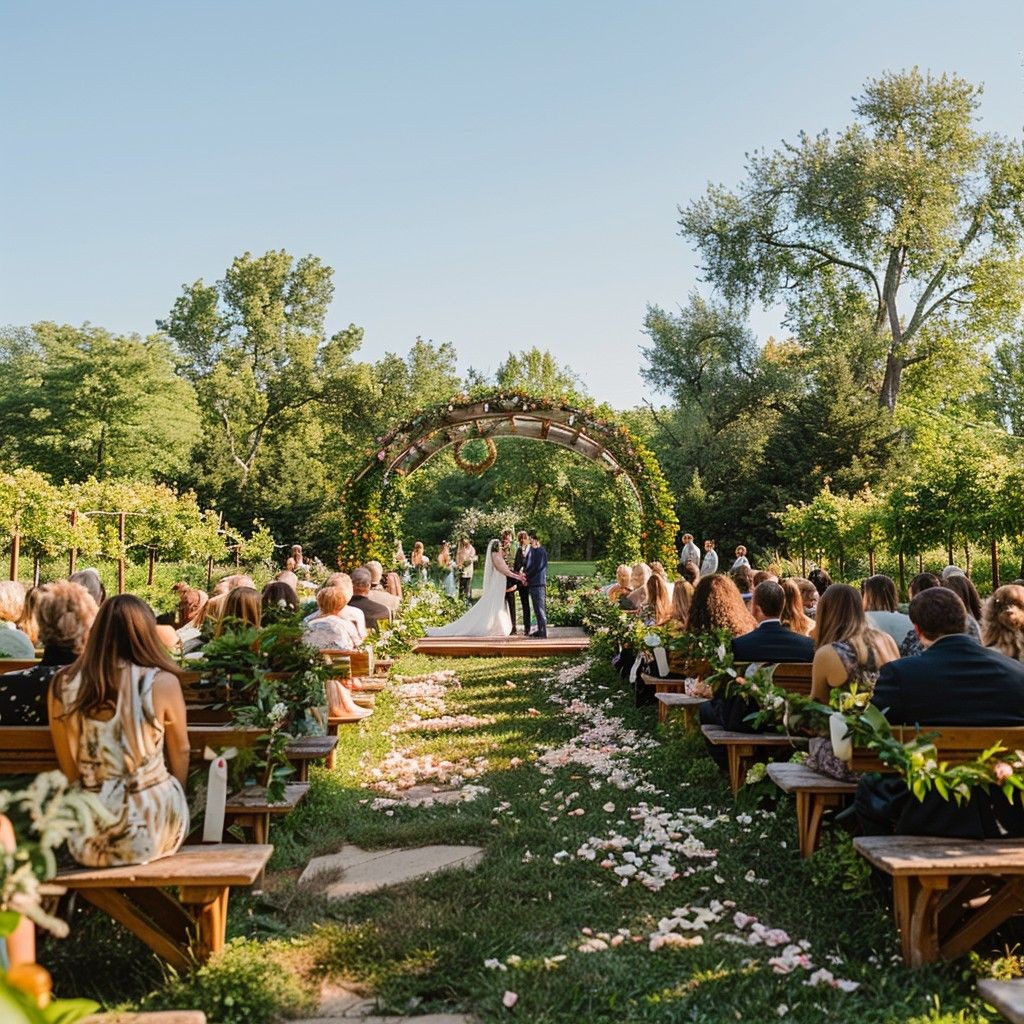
[(118, 720)]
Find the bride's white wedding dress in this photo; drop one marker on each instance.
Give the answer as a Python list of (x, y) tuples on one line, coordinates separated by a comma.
[(489, 616)]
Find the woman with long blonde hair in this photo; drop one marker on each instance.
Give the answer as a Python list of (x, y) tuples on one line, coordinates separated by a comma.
[(793, 615), (657, 610), (682, 595)]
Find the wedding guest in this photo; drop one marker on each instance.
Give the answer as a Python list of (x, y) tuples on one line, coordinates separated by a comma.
[(743, 577), (393, 586), (763, 576), (682, 596), (1003, 621), (377, 590), (911, 645), (968, 593), (329, 631), (519, 565), (191, 613), (951, 570), (91, 581), (882, 607), (793, 615), (64, 613), (349, 613), (710, 564), (848, 650), (232, 582), (511, 585), (374, 612), (690, 572), (717, 604), (289, 578), (278, 601), (298, 559), (401, 562), (242, 608), (118, 721), (27, 622), (741, 558), (13, 642), (637, 596), (821, 580), (771, 640), (465, 561), (690, 551), (809, 595), (621, 586), (657, 609), (418, 560), (957, 682)]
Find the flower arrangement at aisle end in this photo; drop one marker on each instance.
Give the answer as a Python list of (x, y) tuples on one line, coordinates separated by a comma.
[(424, 606), (42, 815)]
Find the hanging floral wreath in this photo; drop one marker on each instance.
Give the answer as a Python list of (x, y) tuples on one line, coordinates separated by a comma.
[(476, 468)]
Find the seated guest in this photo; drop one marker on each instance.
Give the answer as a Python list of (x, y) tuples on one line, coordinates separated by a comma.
[(64, 613), (682, 595), (657, 569), (242, 607), (763, 576), (910, 644), (13, 642), (821, 580), (191, 612), (118, 721), (771, 641), (743, 577), (232, 582), (848, 650), (657, 609), (374, 612), (793, 615), (621, 586), (329, 631), (289, 578), (741, 558), (393, 586), (1003, 621), (968, 593), (954, 682), (690, 572), (882, 607), (377, 590), (637, 597), (343, 581), (278, 601), (809, 595), (93, 584), (716, 604)]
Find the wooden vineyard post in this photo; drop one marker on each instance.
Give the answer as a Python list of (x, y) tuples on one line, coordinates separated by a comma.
[(152, 567), (903, 574), (73, 556), (120, 552), (15, 550), (36, 569), (871, 562), (995, 563)]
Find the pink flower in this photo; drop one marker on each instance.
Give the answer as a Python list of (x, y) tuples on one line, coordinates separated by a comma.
[(1003, 771)]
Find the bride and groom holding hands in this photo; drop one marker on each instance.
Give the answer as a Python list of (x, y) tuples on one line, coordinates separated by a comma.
[(490, 616)]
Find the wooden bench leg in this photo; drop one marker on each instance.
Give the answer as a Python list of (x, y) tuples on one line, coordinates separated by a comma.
[(209, 908), (737, 769), (915, 906), (810, 810), (1006, 900), (690, 721)]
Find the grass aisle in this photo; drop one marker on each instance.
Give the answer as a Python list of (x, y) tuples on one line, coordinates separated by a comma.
[(620, 882)]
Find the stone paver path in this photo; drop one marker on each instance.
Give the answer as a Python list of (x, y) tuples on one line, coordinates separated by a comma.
[(339, 1004), (353, 870)]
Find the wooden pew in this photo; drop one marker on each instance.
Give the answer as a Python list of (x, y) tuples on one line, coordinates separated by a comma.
[(815, 793), (185, 928), (305, 749), (689, 706), (746, 748), (948, 893), (680, 670), (1006, 996), (15, 665)]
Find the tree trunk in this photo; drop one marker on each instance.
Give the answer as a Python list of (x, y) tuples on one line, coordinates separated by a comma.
[(152, 567), (967, 560), (120, 552), (37, 566), (920, 563), (995, 563), (803, 561), (73, 555), (871, 561), (589, 556), (903, 575), (891, 383), (15, 551), (949, 549)]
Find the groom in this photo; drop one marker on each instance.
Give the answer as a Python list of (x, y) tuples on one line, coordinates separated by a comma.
[(536, 571)]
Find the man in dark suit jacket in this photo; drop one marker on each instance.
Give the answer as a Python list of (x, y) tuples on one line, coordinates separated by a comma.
[(955, 681), (537, 581), (373, 611), (519, 565), (771, 641)]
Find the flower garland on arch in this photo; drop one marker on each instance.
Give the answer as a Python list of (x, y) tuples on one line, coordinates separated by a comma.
[(476, 468)]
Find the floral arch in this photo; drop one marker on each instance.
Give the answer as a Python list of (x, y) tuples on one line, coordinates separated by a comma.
[(374, 497)]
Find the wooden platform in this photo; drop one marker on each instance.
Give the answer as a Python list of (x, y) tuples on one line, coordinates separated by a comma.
[(560, 641)]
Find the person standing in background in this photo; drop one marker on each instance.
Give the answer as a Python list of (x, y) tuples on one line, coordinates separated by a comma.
[(710, 564), (690, 552), (511, 585), (465, 560), (519, 565)]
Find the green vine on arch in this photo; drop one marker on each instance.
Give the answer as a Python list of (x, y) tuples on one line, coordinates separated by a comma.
[(374, 498)]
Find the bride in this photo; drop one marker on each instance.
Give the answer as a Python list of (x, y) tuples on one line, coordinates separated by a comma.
[(489, 616)]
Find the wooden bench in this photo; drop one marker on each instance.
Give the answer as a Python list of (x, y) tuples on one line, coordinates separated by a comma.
[(249, 809), (1006, 996), (304, 749), (15, 665), (955, 743), (151, 1017), (744, 749), (948, 894), (181, 929), (815, 794), (688, 704)]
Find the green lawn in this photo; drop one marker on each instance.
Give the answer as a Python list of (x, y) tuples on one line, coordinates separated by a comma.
[(424, 945)]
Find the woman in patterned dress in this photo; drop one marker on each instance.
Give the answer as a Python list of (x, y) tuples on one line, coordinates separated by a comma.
[(118, 720)]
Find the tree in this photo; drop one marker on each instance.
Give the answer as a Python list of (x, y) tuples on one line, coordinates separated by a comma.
[(254, 346), (82, 402), (910, 219), (1008, 384)]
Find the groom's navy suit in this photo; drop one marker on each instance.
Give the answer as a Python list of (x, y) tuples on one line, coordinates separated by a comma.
[(536, 570)]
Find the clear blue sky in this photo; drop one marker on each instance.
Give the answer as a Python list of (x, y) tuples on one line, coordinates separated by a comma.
[(494, 174)]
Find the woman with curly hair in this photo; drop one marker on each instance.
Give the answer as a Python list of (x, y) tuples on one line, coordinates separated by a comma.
[(717, 604), (1002, 625)]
